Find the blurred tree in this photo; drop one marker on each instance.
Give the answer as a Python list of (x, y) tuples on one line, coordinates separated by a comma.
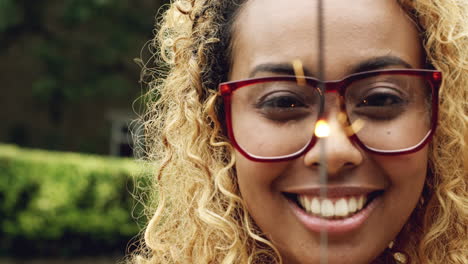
[(79, 50), (9, 15)]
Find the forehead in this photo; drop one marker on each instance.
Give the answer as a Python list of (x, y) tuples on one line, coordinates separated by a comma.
[(281, 31)]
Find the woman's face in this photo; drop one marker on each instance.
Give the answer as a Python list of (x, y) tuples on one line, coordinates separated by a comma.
[(359, 32)]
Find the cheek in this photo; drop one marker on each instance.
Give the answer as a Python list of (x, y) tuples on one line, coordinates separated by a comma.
[(253, 176), (405, 180), (257, 181), (405, 171)]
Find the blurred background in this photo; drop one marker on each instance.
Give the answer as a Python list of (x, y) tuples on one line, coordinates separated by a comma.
[(69, 89)]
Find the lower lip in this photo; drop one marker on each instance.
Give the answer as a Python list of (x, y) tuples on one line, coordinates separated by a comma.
[(334, 226)]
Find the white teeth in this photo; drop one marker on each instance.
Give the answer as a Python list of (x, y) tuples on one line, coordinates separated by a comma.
[(360, 203), (315, 206), (327, 208), (301, 200), (306, 203), (352, 205), (341, 207)]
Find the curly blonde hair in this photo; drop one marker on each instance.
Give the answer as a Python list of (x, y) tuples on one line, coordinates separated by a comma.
[(197, 214)]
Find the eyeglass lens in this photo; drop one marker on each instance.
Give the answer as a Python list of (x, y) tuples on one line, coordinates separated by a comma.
[(277, 118)]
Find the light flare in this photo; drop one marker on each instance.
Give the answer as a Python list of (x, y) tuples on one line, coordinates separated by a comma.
[(355, 127), (322, 129), (299, 72), (352, 129)]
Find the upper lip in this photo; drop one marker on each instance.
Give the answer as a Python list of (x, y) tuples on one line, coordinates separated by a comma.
[(334, 191)]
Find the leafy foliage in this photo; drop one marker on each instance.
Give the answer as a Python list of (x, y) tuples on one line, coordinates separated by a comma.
[(65, 204)]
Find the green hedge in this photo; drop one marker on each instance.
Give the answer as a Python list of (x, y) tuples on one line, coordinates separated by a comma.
[(64, 204)]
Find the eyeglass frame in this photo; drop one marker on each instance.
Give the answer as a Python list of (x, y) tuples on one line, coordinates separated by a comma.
[(434, 77)]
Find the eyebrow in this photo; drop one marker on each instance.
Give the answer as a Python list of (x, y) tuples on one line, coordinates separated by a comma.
[(379, 63), (278, 68), (374, 63)]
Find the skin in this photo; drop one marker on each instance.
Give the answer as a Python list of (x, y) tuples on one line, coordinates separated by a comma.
[(281, 31)]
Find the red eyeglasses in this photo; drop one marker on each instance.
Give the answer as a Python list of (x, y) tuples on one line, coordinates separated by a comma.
[(391, 112)]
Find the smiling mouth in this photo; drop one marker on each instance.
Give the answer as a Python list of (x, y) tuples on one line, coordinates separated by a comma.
[(333, 207)]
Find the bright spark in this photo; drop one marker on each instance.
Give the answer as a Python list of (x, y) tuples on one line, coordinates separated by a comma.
[(322, 129)]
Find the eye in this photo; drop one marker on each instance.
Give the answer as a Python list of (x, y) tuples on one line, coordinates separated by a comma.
[(283, 106), (380, 100), (380, 105), (283, 102)]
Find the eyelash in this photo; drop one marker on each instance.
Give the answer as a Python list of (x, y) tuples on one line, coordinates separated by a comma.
[(278, 102), (271, 107)]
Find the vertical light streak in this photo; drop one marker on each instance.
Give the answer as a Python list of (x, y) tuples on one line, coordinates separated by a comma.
[(322, 141)]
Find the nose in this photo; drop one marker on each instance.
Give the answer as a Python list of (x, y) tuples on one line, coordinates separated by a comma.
[(339, 153)]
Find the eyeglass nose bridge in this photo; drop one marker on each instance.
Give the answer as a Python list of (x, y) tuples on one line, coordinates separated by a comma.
[(334, 86)]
